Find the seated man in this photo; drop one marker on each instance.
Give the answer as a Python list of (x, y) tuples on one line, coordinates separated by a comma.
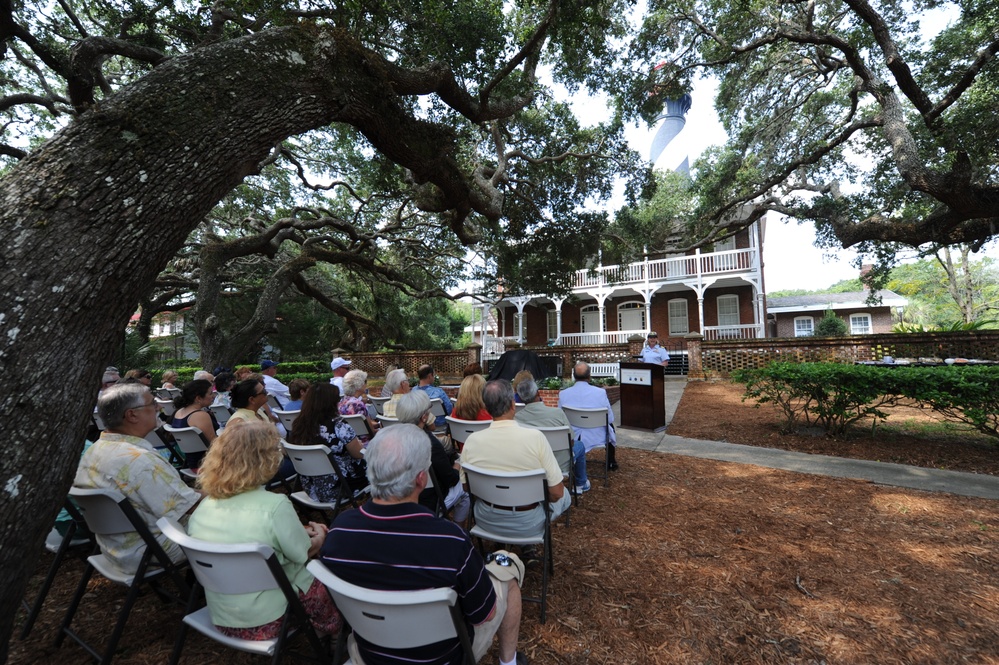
[(654, 354), (394, 543), (506, 446), (536, 414), (339, 367), (268, 369), (426, 375), (123, 460), (582, 395)]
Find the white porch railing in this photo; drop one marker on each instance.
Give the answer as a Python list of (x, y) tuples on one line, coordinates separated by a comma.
[(604, 369), (583, 339), (673, 268), (747, 331)]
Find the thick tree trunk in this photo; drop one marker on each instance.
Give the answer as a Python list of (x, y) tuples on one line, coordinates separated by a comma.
[(93, 215)]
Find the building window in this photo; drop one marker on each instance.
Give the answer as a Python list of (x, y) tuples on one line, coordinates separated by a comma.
[(860, 324), (678, 324), (552, 324), (631, 315), (588, 319), (804, 326), (728, 310)]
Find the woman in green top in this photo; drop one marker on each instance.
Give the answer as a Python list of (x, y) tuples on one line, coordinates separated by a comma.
[(237, 509)]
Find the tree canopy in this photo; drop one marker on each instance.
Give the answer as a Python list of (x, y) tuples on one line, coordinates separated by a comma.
[(842, 113)]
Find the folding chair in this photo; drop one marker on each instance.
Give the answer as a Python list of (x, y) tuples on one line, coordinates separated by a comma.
[(460, 429), (274, 403), (385, 421), (515, 488), (379, 402), (59, 545), (192, 445), (432, 483), (519, 406), (395, 619), (560, 440), (235, 569), (311, 461), (166, 407), (360, 424), (593, 419), (109, 512), (437, 409), (287, 418), (222, 413)]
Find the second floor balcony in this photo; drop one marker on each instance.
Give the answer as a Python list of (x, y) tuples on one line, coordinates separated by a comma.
[(674, 268)]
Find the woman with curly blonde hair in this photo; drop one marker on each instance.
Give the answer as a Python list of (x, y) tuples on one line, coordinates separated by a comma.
[(237, 509), (470, 405)]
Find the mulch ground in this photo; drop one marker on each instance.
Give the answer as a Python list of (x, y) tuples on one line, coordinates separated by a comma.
[(685, 560)]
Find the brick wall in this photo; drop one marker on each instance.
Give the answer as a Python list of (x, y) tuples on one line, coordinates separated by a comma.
[(722, 357), (447, 364)]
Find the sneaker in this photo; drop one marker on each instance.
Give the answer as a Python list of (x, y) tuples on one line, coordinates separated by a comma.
[(522, 659), (583, 488), (530, 554)]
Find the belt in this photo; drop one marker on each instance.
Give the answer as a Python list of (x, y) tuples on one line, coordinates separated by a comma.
[(514, 509)]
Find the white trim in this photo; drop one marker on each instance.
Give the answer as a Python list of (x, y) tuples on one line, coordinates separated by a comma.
[(686, 315), (856, 304), (869, 326)]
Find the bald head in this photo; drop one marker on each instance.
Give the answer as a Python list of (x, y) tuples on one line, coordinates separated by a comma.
[(581, 372)]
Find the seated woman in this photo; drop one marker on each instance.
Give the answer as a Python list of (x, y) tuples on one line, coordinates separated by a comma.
[(398, 385), (191, 411), (470, 405), (224, 381), (237, 509), (169, 377), (414, 408), (352, 402), (522, 375), (320, 424), (248, 399)]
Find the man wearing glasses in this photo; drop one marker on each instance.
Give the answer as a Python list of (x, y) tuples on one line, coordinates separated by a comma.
[(123, 460)]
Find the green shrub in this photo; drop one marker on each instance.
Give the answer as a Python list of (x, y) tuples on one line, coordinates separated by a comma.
[(831, 326), (552, 383)]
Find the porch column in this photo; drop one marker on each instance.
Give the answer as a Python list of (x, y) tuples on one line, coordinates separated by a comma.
[(647, 293), (520, 303), (601, 299), (700, 312), (558, 319)]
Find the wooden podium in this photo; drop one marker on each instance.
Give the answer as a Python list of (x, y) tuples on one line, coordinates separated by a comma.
[(643, 397)]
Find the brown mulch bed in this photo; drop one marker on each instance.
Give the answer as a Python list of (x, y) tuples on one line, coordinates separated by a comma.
[(685, 560)]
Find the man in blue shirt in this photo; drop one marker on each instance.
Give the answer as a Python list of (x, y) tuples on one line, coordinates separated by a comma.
[(653, 353), (426, 376), (583, 395)]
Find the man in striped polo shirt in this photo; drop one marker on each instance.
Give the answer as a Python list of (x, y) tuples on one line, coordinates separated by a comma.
[(393, 543)]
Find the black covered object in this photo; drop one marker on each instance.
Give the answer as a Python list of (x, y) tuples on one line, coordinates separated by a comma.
[(512, 362)]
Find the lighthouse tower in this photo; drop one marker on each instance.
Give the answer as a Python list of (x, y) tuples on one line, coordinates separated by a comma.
[(669, 151)]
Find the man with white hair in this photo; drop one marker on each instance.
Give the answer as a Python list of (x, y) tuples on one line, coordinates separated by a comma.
[(123, 460), (584, 395), (339, 367), (393, 543)]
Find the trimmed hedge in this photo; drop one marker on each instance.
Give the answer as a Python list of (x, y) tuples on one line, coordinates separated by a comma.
[(832, 396)]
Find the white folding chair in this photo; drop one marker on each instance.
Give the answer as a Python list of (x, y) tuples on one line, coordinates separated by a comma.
[(360, 424), (274, 403), (60, 545), (395, 619), (385, 421), (192, 444), (460, 429), (560, 441), (237, 569), (166, 407), (312, 461), (287, 418), (222, 413), (437, 409), (507, 489), (379, 402), (519, 406), (593, 419), (109, 512)]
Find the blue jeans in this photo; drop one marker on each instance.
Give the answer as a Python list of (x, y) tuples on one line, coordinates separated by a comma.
[(579, 461)]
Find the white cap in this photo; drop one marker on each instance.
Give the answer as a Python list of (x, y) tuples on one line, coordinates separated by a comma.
[(337, 363)]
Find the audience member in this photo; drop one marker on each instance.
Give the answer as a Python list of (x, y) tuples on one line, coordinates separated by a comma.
[(237, 509), (414, 409), (192, 411), (393, 543), (506, 446), (320, 423), (123, 460), (536, 414), (169, 377), (385, 389), (110, 377), (296, 390), (470, 369), (224, 381), (398, 384), (143, 376), (352, 402), (243, 373), (426, 375), (521, 376), (249, 399), (204, 375), (339, 367), (268, 369), (469, 405), (582, 395)]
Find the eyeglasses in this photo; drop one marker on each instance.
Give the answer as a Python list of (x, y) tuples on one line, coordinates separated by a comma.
[(136, 408)]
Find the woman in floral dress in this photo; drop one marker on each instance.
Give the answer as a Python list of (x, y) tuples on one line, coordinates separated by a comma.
[(320, 424)]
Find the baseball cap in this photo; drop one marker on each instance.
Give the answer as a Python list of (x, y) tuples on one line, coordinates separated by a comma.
[(267, 364), (337, 363)]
